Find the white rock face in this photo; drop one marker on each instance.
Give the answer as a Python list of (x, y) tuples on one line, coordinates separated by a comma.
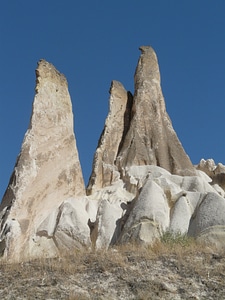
[(47, 171), (149, 216), (210, 213), (182, 212), (215, 172), (157, 202), (113, 204), (68, 226)]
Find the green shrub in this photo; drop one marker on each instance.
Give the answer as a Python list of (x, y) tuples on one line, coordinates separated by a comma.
[(176, 238)]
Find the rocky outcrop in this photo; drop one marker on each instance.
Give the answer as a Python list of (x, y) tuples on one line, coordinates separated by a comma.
[(149, 217), (138, 130), (165, 202), (47, 170), (151, 139), (116, 125), (67, 227), (215, 172), (142, 185)]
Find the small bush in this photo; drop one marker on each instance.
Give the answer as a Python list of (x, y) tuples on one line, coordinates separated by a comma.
[(176, 238)]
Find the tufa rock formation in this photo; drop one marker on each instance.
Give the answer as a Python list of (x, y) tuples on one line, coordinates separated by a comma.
[(142, 185), (105, 171), (138, 130), (47, 170), (151, 139)]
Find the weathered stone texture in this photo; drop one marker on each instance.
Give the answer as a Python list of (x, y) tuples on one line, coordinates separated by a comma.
[(138, 130), (116, 125), (142, 183), (215, 172), (151, 139), (47, 170)]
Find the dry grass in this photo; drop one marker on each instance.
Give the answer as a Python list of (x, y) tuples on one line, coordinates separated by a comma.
[(172, 268)]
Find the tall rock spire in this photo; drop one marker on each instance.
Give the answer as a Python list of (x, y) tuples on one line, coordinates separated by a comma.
[(138, 130), (116, 125), (151, 139), (47, 170), (132, 195)]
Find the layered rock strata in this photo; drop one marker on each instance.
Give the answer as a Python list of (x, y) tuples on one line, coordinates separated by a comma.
[(47, 170)]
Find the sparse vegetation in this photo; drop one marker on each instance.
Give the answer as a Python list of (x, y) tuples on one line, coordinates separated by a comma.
[(176, 239), (175, 267)]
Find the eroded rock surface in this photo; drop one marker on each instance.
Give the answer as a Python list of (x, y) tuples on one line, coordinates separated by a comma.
[(215, 172), (142, 185), (151, 139), (116, 125), (47, 170), (138, 130)]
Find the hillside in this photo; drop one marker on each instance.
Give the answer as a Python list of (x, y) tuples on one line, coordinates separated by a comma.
[(169, 270)]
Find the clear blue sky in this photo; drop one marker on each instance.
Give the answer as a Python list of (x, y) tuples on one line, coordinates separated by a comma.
[(94, 42)]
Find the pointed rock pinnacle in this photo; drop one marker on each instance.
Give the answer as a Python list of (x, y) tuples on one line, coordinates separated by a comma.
[(116, 125), (138, 130), (47, 170), (151, 139)]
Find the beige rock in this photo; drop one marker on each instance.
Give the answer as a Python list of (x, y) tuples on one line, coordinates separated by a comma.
[(208, 166), (142, 183), (117, 122), (47, 170), (138, 131), (215, 172), (151, 139)]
